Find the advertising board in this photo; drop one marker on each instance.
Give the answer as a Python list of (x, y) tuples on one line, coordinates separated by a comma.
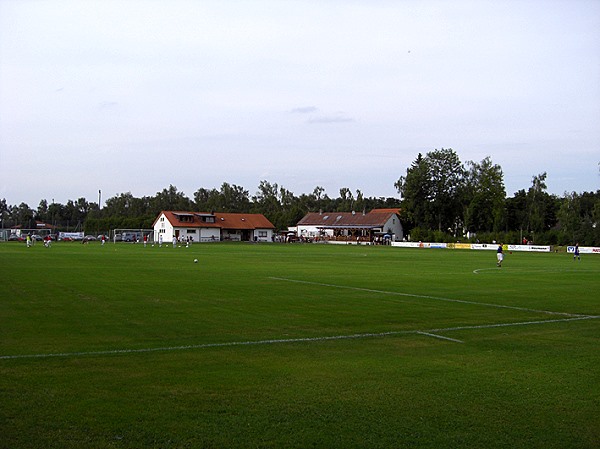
[(70, 235), (584, 249), (530, 248)]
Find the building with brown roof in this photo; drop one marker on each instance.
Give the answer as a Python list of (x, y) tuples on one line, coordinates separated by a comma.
[(379, 224), (212, 227)]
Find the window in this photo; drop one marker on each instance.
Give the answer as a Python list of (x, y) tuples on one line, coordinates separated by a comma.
[(208, 219), (262, 233)]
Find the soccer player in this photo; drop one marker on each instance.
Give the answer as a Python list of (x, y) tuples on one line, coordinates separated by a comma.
[(576, 253), (499, 255)]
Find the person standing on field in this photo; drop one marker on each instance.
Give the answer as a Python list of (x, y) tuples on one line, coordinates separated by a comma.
[(499, 255), (576, 253)]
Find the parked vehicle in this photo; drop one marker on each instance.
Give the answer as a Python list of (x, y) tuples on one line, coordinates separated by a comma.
[(132, 236)]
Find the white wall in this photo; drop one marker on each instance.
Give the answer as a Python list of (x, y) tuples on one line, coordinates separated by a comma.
[(263, 238), (162, 224), (394, 224)]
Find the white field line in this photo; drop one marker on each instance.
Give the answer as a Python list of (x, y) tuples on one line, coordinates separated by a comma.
[(428, 332), (519, 270), (522, 323), (435, 298)]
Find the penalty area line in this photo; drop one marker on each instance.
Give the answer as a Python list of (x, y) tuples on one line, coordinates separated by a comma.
[(429, 332)]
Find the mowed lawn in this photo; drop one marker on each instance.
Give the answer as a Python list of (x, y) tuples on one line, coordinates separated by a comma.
[(296, 346)]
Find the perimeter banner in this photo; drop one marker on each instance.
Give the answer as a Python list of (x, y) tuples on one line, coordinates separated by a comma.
[(462, 246), (584, 249), (531, 248), (485, 246), (70, 235), (489, 247)]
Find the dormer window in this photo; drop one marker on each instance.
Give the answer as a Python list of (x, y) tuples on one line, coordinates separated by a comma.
[(185, 218)]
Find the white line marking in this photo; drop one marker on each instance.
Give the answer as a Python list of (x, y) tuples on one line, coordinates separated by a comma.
[(439, 336), (436, 298), (486, 269), (429, 332), (533, 270), (522, 323)]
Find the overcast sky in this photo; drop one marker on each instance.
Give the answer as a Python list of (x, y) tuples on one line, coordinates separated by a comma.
[(135, 95)]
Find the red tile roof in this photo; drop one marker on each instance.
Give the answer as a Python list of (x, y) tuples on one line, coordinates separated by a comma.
[(375, 218), (186, 219)]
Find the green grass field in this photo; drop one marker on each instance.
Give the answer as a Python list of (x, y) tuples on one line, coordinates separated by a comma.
[(296, 346)]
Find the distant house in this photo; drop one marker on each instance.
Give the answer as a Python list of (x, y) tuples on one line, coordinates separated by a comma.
[(42, 225), (351, 226), (212, 227)]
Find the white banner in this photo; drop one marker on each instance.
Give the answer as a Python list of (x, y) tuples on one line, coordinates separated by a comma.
[(584, 249), (531, 248), (412, 244), (487, 246), (71, 235)]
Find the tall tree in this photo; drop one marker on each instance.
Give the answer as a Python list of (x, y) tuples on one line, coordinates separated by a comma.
[(346, 202), (170, 199), (485, 196), (4, 214), (447, 181), (42, 211), (537, 201), (415, 191), (569, 215), (207, 200), (266, 199), (234, 198), (22, 215)]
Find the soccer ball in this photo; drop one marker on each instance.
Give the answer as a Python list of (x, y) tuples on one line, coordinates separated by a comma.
[(195, 260)]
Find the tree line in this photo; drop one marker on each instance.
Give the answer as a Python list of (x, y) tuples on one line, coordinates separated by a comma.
[(446, 200), (440, 199), (126, 211)]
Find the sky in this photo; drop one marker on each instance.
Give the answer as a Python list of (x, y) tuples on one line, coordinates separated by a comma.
[(136, 95)]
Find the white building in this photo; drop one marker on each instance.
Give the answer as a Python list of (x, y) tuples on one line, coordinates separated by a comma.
[(352, 226), (212, 227)]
